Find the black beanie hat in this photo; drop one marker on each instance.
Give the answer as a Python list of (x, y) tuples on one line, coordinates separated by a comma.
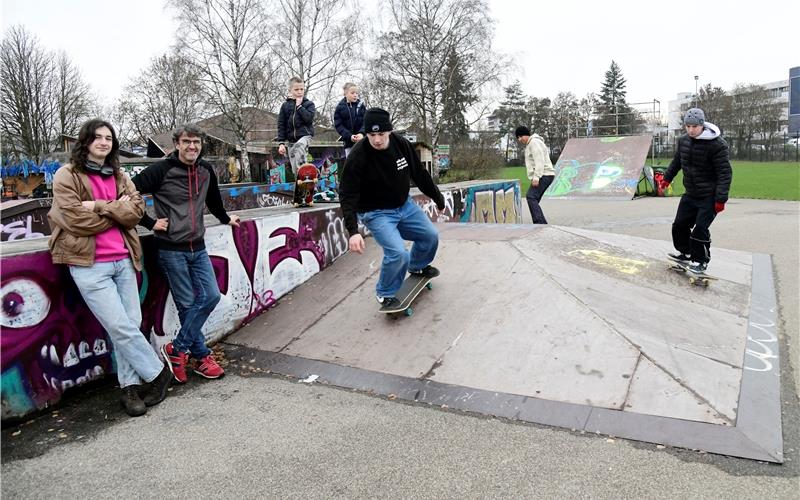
[(377, 120), (522, 130)]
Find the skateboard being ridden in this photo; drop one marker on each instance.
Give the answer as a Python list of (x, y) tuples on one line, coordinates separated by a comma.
[(411, 288), (305, 185), (683, 266)]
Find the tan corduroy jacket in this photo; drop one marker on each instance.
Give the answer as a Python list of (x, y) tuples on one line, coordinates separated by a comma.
[(75, 226)]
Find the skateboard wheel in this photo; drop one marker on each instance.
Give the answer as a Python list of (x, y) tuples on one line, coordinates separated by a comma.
[(692, 280), (429, 286), (409, 311)]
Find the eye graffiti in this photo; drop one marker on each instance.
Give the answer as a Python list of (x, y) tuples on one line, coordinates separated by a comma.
[(25, 304)]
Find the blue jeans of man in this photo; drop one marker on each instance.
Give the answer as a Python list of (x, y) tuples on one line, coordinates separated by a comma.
[(111, 292), (195, 292), (534, 197), (390, 228)]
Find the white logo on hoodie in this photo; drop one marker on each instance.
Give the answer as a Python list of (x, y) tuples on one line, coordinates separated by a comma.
[(402, 163)]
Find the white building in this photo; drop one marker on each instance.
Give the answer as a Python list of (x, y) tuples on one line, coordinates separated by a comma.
[(676, 109)]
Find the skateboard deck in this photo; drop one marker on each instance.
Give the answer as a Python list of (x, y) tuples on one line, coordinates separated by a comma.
[(694, 279), (411, 288), (307, 177)]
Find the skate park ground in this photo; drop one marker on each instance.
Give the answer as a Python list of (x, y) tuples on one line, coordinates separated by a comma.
[(283, 438)]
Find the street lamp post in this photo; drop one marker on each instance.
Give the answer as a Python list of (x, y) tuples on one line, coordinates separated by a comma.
[(695, 89)]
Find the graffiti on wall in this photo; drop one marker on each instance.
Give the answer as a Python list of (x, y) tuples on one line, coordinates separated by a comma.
[(22, 220), (602, 166), (50, 341)]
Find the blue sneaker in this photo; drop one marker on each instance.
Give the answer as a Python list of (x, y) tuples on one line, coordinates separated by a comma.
[(698, 267)]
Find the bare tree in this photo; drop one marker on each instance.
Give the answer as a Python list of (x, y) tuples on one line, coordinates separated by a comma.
[(317, 41), (28, 115), (745, 101), (163, 96), (416, 57), (227, 41), (42, 95), (73, 98)]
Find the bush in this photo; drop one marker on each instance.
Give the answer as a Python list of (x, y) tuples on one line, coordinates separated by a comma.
[(474, 159)]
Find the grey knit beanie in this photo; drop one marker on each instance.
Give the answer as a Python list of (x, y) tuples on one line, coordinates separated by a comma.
[(694, 116)]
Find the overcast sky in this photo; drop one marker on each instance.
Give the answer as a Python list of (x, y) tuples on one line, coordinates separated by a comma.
[(561, 45)]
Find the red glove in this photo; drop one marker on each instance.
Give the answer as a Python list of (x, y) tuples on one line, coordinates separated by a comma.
[(719, 207), (664, 184)]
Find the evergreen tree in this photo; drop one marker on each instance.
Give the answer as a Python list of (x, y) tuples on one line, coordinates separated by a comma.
[(615, 116), (511, 114), (457, 95)]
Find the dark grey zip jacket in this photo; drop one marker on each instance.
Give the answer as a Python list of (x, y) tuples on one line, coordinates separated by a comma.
[(295, 121), (180, 193)]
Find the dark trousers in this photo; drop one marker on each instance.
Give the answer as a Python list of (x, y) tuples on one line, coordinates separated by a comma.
[(690, 233), (534, 196)]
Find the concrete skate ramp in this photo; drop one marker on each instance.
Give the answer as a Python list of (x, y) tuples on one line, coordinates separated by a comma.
[(600, 166), (574, 328)]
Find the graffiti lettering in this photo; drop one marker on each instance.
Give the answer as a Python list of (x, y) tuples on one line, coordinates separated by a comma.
[(760, 346)]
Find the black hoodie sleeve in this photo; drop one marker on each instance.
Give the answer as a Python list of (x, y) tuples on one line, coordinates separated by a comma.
[(214, 198), (350, 193), (422, 178), (149, 181)]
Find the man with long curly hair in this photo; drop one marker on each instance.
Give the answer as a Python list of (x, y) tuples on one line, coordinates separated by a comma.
[(94, 215)]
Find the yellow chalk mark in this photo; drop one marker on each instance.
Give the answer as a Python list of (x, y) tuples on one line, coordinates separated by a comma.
[(601, 258)]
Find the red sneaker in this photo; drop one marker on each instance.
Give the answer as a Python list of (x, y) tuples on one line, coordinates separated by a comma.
[(208, 367), (176, 362)]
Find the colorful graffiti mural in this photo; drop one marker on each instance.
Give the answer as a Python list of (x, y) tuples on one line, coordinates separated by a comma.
[(600, 166), (51, 342)]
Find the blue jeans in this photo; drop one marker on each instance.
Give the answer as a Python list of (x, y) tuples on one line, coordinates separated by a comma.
[(111, 292), (391, 227), (196, 294)]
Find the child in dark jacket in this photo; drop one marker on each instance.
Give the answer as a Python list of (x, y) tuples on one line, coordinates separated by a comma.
[(349, 117), (296, 124)]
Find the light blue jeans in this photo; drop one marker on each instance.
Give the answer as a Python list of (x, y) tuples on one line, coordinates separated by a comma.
[(111, 292), (195, 292), (390, 227)]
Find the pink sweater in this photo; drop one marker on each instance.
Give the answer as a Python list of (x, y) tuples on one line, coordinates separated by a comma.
[(109, 245)]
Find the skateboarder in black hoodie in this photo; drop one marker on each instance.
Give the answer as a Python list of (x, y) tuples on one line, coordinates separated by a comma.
[(703, 156), (375, 189)]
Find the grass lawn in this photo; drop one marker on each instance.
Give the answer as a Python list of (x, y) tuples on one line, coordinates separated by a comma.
[(774, 180)]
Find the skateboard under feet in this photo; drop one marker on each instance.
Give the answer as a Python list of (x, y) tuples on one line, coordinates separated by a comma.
[(411, 288), (694, 278)]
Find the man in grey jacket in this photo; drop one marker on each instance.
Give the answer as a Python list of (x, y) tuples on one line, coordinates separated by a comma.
[(182, 185)]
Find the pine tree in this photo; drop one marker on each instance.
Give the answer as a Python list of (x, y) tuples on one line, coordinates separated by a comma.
[(615, 116), (456, 97)]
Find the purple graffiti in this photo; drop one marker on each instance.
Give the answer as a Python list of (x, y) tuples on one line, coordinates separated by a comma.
[(48, 332), (295, 243)]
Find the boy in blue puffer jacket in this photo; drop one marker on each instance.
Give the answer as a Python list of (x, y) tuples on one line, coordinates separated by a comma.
[(349, 117), (296, 124)]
